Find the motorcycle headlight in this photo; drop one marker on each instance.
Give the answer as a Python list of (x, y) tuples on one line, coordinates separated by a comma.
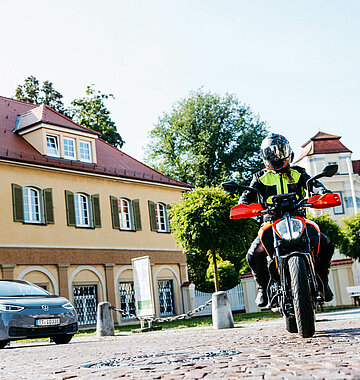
[(289, 229), (68, 306), (11, 308)]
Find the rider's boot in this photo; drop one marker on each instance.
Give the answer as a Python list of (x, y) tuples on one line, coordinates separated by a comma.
[(261, 298), (322, 266), (328, 294), (262, 279)]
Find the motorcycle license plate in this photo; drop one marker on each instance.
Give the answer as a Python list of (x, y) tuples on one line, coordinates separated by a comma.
[(47, 322)]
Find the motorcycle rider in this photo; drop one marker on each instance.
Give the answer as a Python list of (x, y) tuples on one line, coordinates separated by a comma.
[(280, 178)]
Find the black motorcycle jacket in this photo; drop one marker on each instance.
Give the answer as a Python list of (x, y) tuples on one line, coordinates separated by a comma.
[(293, 179)]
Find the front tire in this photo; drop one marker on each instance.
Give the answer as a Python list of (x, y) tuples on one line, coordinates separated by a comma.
[(62, 339), (3, 344), (300, 288)]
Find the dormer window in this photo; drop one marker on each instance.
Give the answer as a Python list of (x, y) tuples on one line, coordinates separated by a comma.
[(85, 153), (54, 135), (69, 148), (52, 145)]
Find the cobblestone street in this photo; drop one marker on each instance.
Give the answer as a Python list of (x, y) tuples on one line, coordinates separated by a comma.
[(260, 350)]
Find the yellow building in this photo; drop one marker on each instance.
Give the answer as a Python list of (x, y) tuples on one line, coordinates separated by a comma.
[(76, 210)]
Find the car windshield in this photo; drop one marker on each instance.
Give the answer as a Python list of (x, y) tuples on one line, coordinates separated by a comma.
[(20, 289)]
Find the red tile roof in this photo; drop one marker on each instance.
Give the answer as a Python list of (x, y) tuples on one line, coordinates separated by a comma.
[(356, 166), (44, 114), (111, 161), (323, 143)]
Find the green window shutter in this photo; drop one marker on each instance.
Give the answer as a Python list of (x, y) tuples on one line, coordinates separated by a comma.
[(70, 208), (152, 215), (18, 203), (95, 201), (137, 215), (114, 205), (168, 207), (48, 206)]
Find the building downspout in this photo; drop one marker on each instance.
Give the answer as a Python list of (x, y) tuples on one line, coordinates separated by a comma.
[(349, 165)]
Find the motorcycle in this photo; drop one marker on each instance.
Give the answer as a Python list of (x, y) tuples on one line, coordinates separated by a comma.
[(291, 242)]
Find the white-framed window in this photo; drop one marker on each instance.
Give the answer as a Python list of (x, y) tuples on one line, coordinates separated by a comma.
[(69, 148), (161, 217), (85, 151), (32, 205), (82, 210), (339, 209), (52, 145), (125, 214)]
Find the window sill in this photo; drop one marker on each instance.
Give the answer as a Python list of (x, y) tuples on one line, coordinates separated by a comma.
[(35, 223)]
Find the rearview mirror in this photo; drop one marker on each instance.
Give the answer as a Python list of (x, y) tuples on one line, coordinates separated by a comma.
[(328, 171), (232, 187)]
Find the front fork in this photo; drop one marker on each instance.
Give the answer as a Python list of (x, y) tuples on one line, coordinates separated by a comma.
[(278, 269)]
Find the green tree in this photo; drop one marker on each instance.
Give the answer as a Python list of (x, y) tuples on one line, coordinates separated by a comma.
[(90, 111), (206, 139), (201, 225), (52, 98), (351, 232), (228, 276), (31, 92), (329, 227)]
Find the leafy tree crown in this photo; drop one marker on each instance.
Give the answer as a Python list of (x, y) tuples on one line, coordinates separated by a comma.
[(207, 138)]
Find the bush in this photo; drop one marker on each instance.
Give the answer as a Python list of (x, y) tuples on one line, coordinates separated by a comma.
[(351, 236), (330, 228), (228, 276)]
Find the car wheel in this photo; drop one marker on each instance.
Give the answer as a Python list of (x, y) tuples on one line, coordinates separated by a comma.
[(3, 343), (62, 339)]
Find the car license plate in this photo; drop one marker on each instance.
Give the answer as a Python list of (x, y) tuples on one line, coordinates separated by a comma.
[(47, 322)]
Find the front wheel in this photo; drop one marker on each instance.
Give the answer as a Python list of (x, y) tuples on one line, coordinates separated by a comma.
[(300, 288), (3, 343)]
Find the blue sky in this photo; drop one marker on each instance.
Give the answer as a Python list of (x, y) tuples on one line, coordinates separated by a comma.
[(296, 63)]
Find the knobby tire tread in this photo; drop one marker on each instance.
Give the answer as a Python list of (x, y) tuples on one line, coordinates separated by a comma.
[(304, 312)]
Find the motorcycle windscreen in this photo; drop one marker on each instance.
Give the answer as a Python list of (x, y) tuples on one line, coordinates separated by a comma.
[(325, 200), (245, 211)]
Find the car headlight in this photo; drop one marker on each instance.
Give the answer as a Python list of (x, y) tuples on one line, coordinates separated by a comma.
[(68, 306), (289, 229), (11, 308)]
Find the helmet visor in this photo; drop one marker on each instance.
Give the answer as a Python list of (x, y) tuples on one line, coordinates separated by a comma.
[(276, 152)]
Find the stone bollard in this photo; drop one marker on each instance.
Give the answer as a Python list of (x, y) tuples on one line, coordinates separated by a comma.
[(221, 311), (105, 322)]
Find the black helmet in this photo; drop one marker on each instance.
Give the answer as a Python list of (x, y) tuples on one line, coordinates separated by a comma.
[(276, 152)]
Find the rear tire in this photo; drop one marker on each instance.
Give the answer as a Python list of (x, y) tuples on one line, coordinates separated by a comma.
[(304, 312), (62, 339), (290, 324), (3, 343)]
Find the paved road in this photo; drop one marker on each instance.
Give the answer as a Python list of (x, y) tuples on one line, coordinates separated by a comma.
[(261, 350)]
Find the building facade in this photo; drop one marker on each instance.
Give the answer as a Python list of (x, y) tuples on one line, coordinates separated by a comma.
[(76, 210)]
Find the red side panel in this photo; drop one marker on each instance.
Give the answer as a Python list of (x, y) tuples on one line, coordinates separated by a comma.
[(245, 211)]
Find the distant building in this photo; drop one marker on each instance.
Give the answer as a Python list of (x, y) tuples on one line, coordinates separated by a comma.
[(323, 149), (76, 210), (320, 150)]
